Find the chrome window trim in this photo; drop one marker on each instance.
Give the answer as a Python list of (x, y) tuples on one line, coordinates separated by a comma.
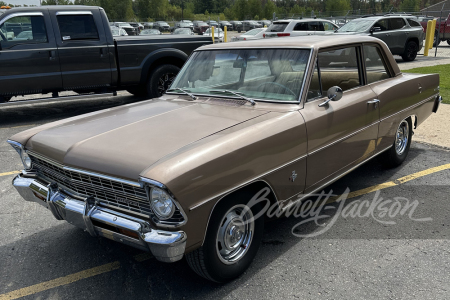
[(68, 13), (22, 14)]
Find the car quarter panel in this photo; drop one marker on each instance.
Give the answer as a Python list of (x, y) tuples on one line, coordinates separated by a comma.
[(403, 96), (267, 148)]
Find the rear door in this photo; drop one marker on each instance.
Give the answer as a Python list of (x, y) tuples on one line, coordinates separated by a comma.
[(28, 59), (83, 50)]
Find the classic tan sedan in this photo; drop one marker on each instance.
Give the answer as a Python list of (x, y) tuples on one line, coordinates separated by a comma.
[(174, 175)]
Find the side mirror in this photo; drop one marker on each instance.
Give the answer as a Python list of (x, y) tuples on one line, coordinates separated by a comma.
[(334, 93), (375, 29)]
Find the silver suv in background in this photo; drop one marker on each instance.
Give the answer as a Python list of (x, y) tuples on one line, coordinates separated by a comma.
[(300, 28), (400, 33)]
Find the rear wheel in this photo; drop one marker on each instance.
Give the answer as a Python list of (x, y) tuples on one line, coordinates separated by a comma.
[(231, 242), (161, 79), (448, 42), (411, 50), (397, 154)]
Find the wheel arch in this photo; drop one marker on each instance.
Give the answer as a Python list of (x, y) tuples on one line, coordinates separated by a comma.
[(253, 187), (161, 57)]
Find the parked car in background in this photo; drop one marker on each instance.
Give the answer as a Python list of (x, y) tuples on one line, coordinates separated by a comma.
[(127, 27), (183, 25), (151, 32), (442, 31), (24, 36), (301, 27), (212, 23), (139, 26), (237, 26), (222, 25), (200, 27), (117, 31), (183, 31), (191, 24), (243, 135), (64, 56), (254, 34), (161, 26), (148, 25), (402, 38), (218, 34), (264, 23), (249, 25)]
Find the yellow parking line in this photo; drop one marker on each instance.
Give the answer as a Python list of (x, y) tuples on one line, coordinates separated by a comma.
[(60, 281), (9, 173), (145, 256)]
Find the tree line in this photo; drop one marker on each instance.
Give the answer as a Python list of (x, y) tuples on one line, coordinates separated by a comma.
[(151, 10)]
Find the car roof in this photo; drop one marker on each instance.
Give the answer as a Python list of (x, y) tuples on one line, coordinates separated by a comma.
[(302, 20), (383, 17)]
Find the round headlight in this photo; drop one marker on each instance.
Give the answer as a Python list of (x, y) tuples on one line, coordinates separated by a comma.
[(26, 160), (162, 204)]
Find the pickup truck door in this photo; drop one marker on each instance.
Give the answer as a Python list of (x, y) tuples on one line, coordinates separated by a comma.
[(83, 50), (28, 59), (343, 133)]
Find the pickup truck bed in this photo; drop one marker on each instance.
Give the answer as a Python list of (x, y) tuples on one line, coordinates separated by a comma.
[(50, 49)]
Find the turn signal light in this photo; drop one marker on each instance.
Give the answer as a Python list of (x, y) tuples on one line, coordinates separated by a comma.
[(5, 7)]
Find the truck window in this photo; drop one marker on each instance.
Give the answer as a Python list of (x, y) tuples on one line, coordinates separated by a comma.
[(302, 26), (375, 66), (23, 30), (77, 27), (396, 23)]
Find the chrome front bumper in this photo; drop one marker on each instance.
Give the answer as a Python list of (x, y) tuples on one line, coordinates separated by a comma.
[(167, 246)]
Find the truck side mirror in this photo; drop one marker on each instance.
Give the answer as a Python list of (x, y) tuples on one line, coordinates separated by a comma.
[(375, 29)]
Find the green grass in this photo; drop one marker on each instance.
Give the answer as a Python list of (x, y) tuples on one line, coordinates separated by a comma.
[(444, 72)]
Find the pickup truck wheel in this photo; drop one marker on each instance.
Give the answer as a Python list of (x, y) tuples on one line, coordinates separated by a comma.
[(396, 155), (231, 242), (448, 42), (410, 51), (160, 80)]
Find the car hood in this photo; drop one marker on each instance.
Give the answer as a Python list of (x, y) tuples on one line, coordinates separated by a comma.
[(125, 141)]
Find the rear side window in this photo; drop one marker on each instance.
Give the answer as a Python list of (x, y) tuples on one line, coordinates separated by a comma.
[(315, 26), (375, 66), (77, 27), (396, 23), (301, 26), (414, 23), (23, 30), (278, 27)]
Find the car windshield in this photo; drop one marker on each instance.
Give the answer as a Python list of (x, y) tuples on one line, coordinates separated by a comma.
[(182, 31), (253, 32), (278, 27), (356, 26), (150, 32), (202, 24), (264, 74)]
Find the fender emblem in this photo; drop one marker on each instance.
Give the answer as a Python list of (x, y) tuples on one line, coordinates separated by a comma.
[(293, 176)]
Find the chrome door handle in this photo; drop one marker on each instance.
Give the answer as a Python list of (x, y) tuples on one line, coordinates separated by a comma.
[(374, 101)]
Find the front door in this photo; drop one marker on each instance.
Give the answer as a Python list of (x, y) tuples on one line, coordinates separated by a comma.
[(83, 50), (342, 133), (384, 33), (29, 62)]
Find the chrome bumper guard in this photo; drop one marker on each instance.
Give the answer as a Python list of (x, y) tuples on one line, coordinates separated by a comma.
[(166, 246), (437, 102)]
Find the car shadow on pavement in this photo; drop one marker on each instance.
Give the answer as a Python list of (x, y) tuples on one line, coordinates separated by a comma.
[(64, 250)]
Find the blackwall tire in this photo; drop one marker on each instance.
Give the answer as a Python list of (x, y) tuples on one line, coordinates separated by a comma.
[(411, 50), (212, 260), (160, 80)]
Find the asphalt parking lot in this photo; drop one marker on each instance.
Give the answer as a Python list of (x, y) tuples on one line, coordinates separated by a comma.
[(355, 257)]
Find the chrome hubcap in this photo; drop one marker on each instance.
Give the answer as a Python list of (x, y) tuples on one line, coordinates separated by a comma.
[(235, 234), (401, 138), (164, 82)]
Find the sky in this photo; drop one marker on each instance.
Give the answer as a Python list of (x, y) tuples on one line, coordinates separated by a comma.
[(22, 2)]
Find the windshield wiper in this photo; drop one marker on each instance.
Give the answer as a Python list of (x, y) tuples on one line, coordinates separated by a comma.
[(236, 94), (184, 92)]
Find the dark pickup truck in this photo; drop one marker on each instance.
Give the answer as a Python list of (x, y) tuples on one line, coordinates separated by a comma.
[(51, 49)]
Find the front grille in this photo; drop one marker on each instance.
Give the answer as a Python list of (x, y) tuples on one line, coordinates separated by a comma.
[(106, 191)]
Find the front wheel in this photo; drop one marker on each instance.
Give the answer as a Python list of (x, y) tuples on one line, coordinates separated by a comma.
[(160, 80), (410, 51), (436, 40), (231, 242), (396, 155)]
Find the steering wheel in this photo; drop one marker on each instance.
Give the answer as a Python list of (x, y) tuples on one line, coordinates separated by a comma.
[(277, 84)]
